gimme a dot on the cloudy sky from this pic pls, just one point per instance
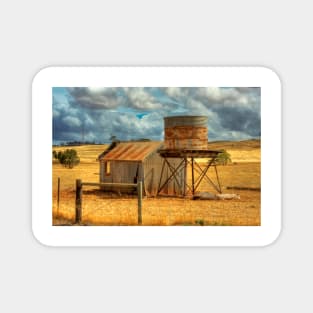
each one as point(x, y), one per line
point(95, 114)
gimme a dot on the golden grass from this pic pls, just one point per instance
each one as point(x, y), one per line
point(107, 209)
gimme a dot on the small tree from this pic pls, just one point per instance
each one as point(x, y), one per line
point(59, 155)
point(223, 158)
point(113, 138)
point(55, 154)
point(68, 158)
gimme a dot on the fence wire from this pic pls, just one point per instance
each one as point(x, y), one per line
point(108, 209)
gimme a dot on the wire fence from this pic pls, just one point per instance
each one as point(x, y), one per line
point(114, 209)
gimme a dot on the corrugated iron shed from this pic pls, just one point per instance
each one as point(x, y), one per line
point(132, 151)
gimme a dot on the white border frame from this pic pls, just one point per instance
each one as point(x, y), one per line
point(262, 77)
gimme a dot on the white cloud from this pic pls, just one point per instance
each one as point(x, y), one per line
point(72, 121)
point(141, 99)
point(98, 98)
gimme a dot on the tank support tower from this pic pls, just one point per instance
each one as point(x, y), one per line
point(186, 141)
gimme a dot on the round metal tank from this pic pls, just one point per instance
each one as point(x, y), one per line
point(186, 133)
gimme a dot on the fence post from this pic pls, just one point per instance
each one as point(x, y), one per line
point(139, 191)
point(58, 195)
point(78, 203)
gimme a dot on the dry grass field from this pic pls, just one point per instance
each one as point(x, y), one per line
point(99, 208)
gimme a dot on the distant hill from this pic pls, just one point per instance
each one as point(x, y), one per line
point(250, 144)
point(240, 151)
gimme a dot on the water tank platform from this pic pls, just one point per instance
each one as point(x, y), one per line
point(166, 153)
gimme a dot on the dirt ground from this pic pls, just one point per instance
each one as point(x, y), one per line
point(242, 177)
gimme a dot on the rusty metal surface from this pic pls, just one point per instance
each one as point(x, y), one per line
point(196, 121)
point(186, 132)
point(132, 151)
point(186, 144)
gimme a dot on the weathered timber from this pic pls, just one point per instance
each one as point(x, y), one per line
point(244, 188)
point(58, 195)
point(188, 153)
point(78, 202)
point(109, 184)
point(139, 190)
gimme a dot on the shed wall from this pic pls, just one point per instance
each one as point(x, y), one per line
point(120, 172)
point(173, 187)
point(152, 168)
point(149, 171)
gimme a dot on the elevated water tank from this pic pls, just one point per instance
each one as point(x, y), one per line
point(186, 133)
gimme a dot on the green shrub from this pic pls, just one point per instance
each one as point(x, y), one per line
point(199, 222)
point(68, 158)
point(223, 158)
point(55, 154)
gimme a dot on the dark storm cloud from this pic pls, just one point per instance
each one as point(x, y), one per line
point(239, 119)
point(95, 98)
point(66, 121)
point(72, 122)
point(248, 89)
point(94, 114)
point(235, 111)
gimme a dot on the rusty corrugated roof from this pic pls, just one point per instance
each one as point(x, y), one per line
point(132, 151)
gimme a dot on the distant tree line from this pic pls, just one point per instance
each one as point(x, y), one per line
point(114, 138)
point(78, 143)
point(82, 143)
point(141, 139)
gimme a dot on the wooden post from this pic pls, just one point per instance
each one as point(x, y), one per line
point(78, 203)
point(139, 191)
point(58, 195)
point(218, 180)
point(192, 177)
point(185, 178)
point(161, 176)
